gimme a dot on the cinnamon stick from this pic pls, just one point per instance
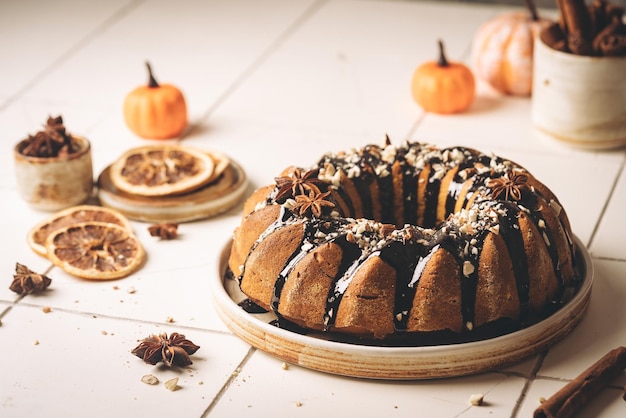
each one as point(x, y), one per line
point(577, 22)
point(573, 396)
point(553, 37)
point(613, 45)
point(597, 18)
point(610, 29)
point(560, 20)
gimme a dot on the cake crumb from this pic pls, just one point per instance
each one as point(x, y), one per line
point(476, 399)
point(172, 384)
point(284, 366)
point(169, 319)
point(150, 379)
point(36, 342)
point(131, 290)
point(298, 404)
point(46, 309)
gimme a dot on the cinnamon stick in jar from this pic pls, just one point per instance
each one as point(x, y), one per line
point(578, 25)
point(609, 30)
point(613, 46)
point(573, 396)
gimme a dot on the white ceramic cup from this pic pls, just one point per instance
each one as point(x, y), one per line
point(580, 100)
point(55, 183)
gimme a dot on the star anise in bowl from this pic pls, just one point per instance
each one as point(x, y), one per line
point(172, 350)
point(52, 141)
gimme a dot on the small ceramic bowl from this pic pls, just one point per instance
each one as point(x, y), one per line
point(54, 183)
point(580, 100)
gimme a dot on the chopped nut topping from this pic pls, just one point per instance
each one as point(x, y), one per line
point(173, 350)
point(172, 384)
point(468, 268)
point(150, 379)
point(556, 207)
point(27, 281)
point(476, 399)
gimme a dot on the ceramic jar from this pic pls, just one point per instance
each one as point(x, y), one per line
point(580, 100)
point(54, 183)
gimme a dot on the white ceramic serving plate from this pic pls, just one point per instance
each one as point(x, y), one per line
point(376, 362)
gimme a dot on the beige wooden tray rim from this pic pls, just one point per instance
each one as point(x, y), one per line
point(223, 194)
point(396, 362)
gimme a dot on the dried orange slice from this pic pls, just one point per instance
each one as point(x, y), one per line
point(36, 237)
point(95, 250)
point(161, 170)
point(220, 163)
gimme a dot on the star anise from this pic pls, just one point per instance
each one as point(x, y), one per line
point(298, 183)
point(27, 281)
point(53, 141)
point(510, 184)
point(173, 350)
point(164, 230)
point(311, 204)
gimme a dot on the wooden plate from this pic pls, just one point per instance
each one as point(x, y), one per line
point(215, 198)
point(348, 359)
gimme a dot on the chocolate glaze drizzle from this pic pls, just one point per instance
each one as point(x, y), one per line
point(408, 249)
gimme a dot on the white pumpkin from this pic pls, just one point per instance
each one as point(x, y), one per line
point(502, 52)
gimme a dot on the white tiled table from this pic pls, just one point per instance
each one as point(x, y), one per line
point(270, 83)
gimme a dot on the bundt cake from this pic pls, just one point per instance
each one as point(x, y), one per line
point(405, 243)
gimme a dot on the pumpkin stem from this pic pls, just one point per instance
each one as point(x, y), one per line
point(152, 82)
point(443, 62)
point(532, 8)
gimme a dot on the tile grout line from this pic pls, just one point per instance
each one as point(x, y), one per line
point(228, 382)
point(70, 51)
point(256, 63)
point(119, 318)
point(529, 381)
point(596, 226)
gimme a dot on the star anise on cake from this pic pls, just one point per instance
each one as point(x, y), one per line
point(510, 185)
point(27, 281)
point(174, 349)
point(311, 204)
point(299, 183)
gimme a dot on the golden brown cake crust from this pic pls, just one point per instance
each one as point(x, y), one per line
point(457, 240)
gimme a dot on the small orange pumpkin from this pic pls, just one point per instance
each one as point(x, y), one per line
point(502, 50)
point(155, 111)
point(443, 87)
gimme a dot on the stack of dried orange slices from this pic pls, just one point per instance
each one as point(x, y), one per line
point(171, 183)
point(88, 241)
